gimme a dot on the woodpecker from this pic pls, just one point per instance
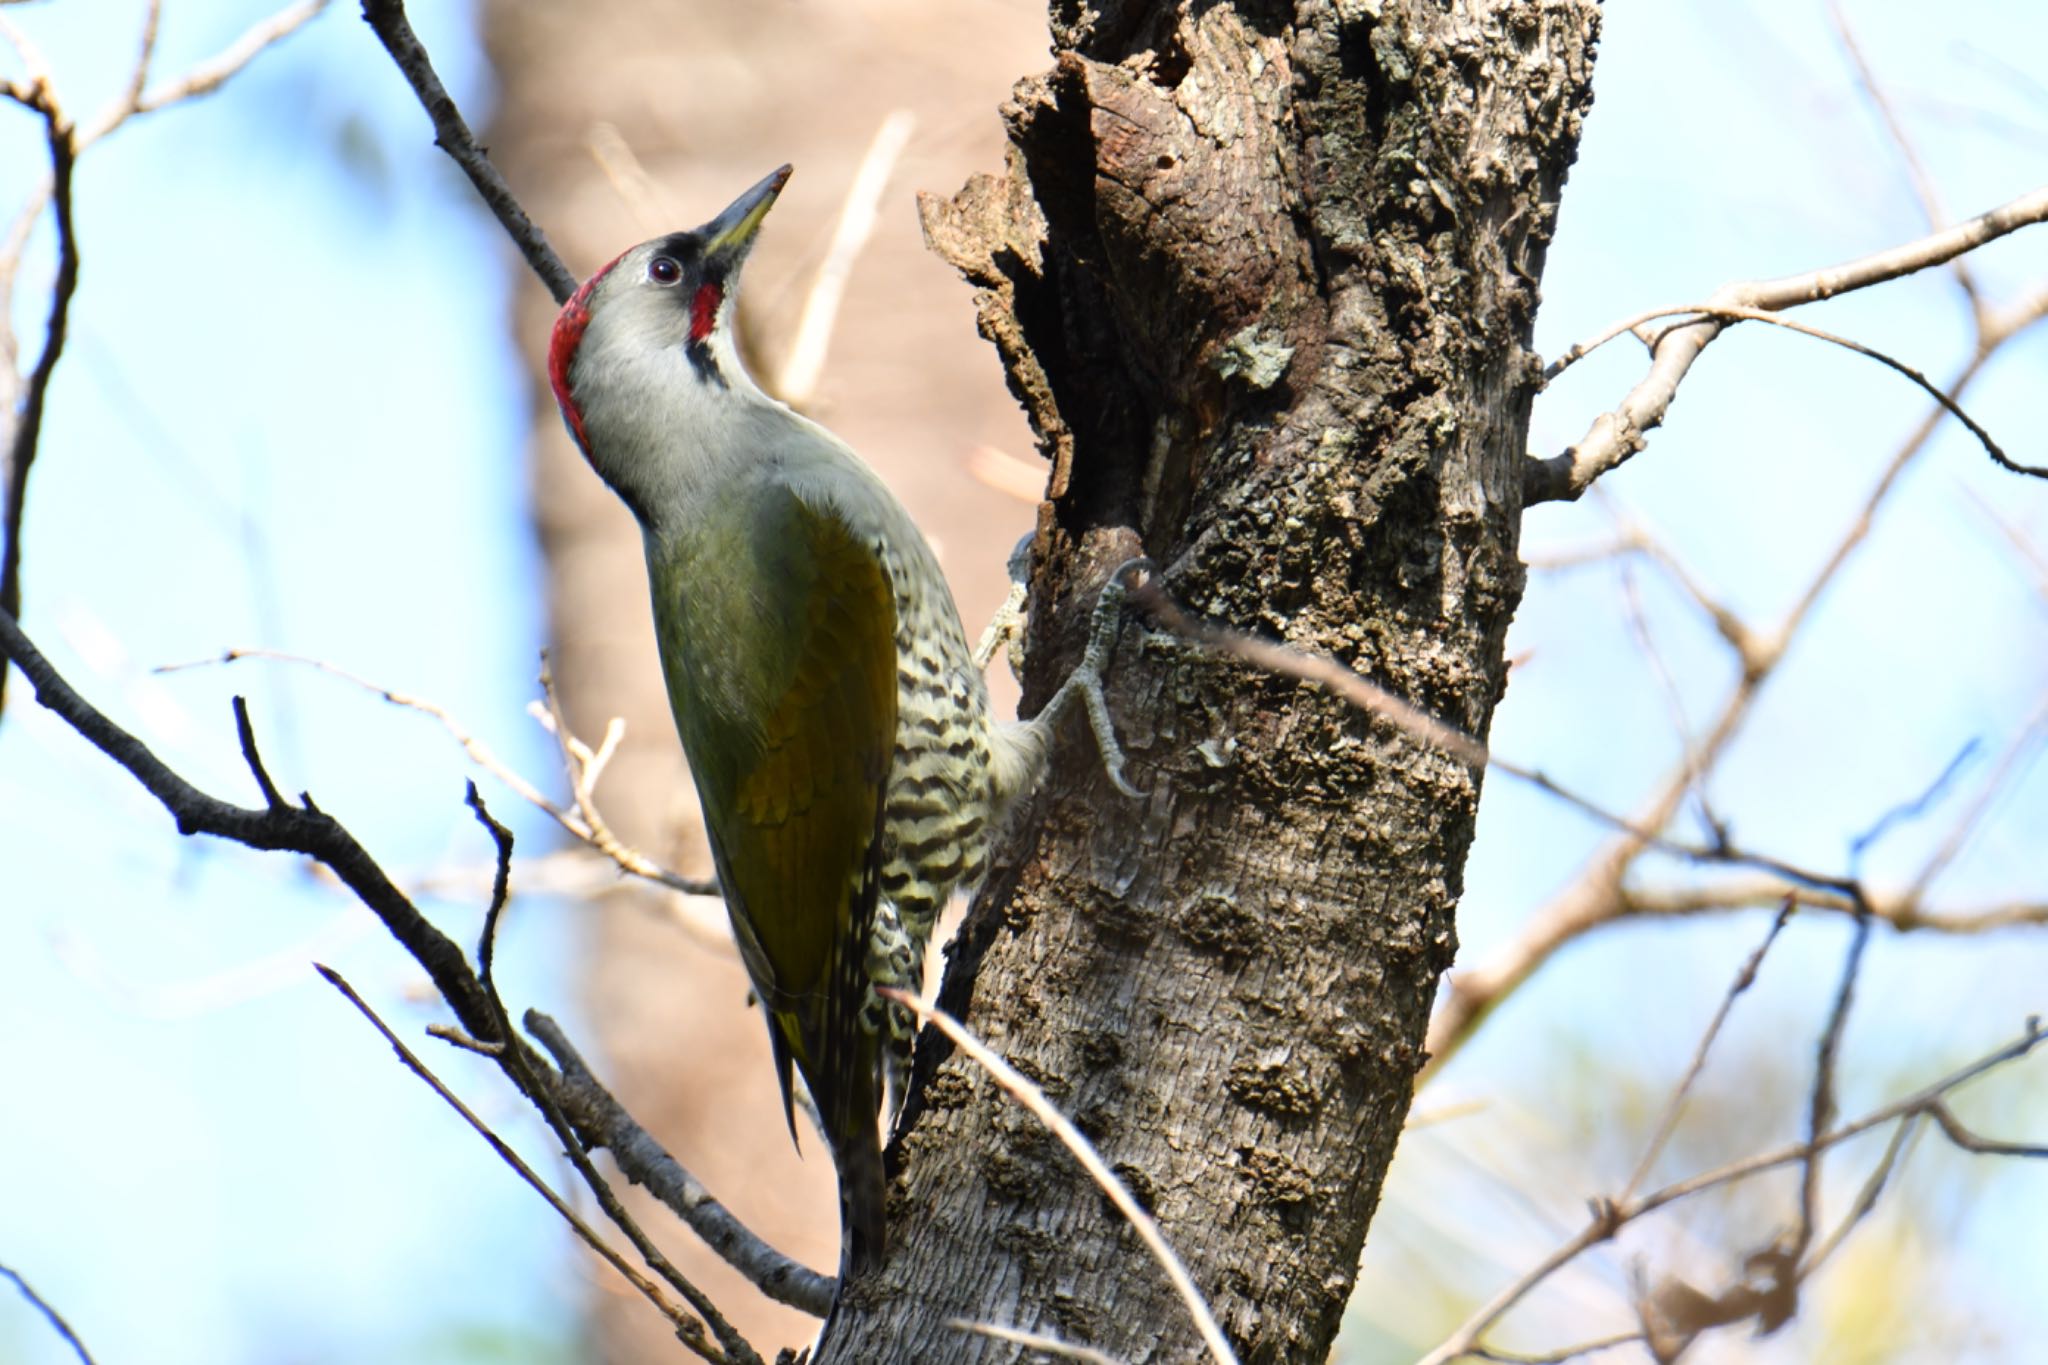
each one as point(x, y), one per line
point(835, 723)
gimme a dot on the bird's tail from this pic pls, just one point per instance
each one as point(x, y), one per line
point(863, 1196)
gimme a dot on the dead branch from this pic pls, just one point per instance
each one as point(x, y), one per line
point(688, 1329)
point(1610, 1216)
point(1599, 895)
point(24, 402)
point(1620, 433)
point(50, 1314)
point(734, 1348)
point(1021, 1089)
point(60, 137)
point(387, 19)
point(305, 829)
point(583, 765)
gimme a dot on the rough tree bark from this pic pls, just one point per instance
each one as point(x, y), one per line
point(1263, 276)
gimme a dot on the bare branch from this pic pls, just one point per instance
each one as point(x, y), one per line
point(1034, 1341)
point(1924, 190)
point(27, 428)
point(538, 1086)
point(1962, 1137)
point(1597, 896)
point(246, 734)
point(584, 767)
point(307, 830)
point(2028, 737)
point(1897, 909)
point(50, 1315)
point(1866, 1198)
point(1744, 979)
point(1557, 1357)
point(1716, 314)
point(211, 74)
point(138, 75)
point(645, 1163)
point(798, 380)
point(1616, 435)
point(687, 1328)
point(388, 21)
point(1820, 1112)
point(1020, 1088)
point(1610, 1216)
point(25, 402)
point(302, 829)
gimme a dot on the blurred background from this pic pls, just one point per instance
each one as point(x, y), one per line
point(298, 411)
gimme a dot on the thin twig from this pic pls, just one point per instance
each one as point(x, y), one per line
point(1618, 434)
point(1903, 812)
point(798, 379)
point(50, 1314)
point(26, 402)
point(245, 733)
point(1609, 1216)
point(1901, 911)
point(581, 763)
point(2025, 739)
point(301, 828)
point(211, 74)
point(735, 1347)
point(1953, 1128)
point(1557, 1357)
point(647, 1164)
point(1924, 190)
point(1598, 895)
point(584, 767)
point(387, 19)
point(1668, 1124)
point(1020, 1088)
point(1033, 1341)
point(27, 427)
point(1717, 312)
point(1866, 1198)
point(1289, 661)
point(650, 1290)
point(307, 830)
point(1820, 1114)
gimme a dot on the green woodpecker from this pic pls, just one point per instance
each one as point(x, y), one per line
point(835, 723)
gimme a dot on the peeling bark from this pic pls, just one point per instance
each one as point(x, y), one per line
point(1263, 278)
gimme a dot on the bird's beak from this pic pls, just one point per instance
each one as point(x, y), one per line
point(728, 237)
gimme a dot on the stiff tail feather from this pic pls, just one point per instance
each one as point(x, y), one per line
point(862, 1202)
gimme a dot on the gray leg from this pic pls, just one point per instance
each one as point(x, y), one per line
point(1008, 625)
point(1084, 684)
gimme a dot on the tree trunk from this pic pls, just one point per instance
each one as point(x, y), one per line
point(1264, 282)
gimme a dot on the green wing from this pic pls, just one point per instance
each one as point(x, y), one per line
point(779, 646)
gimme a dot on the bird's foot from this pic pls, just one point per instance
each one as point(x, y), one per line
point(1007, 627)
point(1085, 682)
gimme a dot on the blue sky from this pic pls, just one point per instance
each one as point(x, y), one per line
point(292, 416)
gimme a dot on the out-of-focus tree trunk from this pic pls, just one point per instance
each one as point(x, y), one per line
point(709, 96)
point(1264, 276)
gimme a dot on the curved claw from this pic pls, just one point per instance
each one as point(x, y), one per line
point(1087, 676)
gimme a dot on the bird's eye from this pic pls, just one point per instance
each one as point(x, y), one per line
point(663, 270)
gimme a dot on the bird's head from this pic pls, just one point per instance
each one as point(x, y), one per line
point(653, 330)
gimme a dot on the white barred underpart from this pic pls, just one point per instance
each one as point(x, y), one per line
point(939, 803)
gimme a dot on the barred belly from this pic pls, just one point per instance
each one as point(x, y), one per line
point(937, 809)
